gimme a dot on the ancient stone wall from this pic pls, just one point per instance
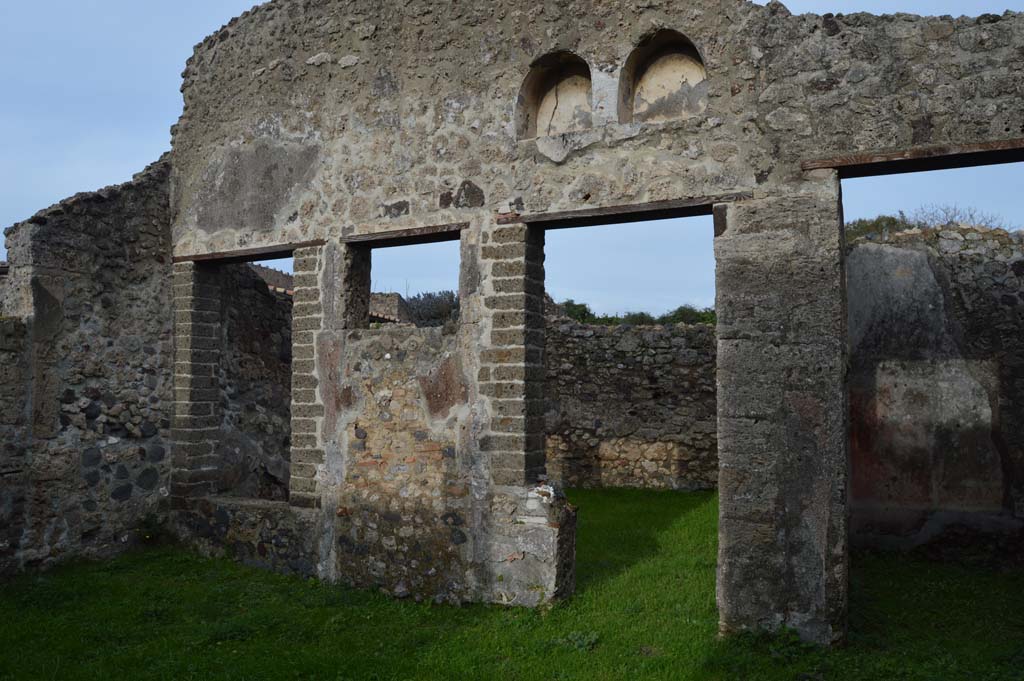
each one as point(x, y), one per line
point(364, 116)
point(405, 499)
point(389, 307)
point(631, 406)
point(255, 376)
point(15, 420)
point(337, 121)
point(329, 125)
point(5, 270)
point(936, 383)
point(91, 346)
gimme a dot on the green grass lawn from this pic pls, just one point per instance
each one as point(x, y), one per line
point(644, 609)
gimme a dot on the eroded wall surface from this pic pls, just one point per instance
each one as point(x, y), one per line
point(15, 421)
point(86, 416)
point(936, 402)
point(313, 119)
point(327, 120)
point(255, 376)
point(404, 499)
point(631, 406)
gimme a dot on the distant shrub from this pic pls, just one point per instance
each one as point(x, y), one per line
point(581, 312)
point(926, 217)
point(437, 309)
point(434, 309)
point(688, 314)
point(684, 314)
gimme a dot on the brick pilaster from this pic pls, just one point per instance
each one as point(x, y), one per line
point(197, 413)
point(332, 293)
point(512, 363)
point(307, 411)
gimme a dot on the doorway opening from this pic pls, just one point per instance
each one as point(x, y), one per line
point(254, 379)
point(630, 354)
point(935, 289)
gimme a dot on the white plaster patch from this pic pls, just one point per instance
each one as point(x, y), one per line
point(319, 59)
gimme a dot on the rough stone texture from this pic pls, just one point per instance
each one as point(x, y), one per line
point(782, 413)
point(936, 381)
point(390, 308)
point(258, 532)
point(395, 457)
point(281, 144)
point(428, 107)
point(15, 421)
point(233, 376)
point(322, 120)
point(390, 484)
point(86, 387)
point(276, 280)
point(631, 406)
point(5, 270)
point(403, 501)
point(255, 384)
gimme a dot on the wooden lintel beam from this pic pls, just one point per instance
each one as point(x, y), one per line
point(605, 215)
point(405, 237)
point(250, 254)
point(939, 157)
point(398, 237)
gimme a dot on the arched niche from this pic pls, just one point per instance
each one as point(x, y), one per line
point(663, 79)
point(555, 97)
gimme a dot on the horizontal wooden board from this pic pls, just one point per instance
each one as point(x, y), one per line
point(636, 212)
point(939, 157)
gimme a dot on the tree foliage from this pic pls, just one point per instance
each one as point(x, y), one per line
point(434, 309)
point(932, 216)
point(684, 314)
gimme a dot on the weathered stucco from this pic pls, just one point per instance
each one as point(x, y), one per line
point(405, 103)
point(320, 126)
point(935, 390)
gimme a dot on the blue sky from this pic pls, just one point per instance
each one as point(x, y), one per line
point(91, 91)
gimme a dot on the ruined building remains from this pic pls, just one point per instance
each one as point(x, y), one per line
point(142, 366)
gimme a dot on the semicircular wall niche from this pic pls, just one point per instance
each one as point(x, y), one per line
point(555, 97)
point(663, 79)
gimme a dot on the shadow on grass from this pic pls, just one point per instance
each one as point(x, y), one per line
point(167, 614)
point(644, 610)
point(618, 528)
point(909, 619)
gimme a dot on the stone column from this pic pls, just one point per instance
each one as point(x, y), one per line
point(782, 412)
point(197, 412)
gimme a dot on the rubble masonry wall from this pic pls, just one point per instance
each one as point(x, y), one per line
point(936, 383)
